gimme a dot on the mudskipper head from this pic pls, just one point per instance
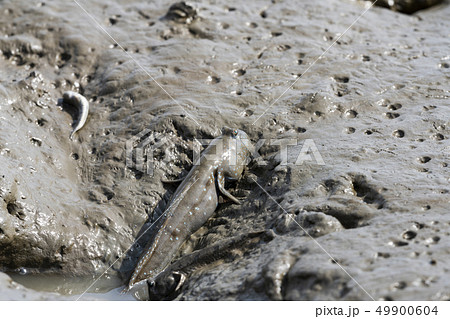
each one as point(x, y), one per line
point(241, 140)
point(238, 149)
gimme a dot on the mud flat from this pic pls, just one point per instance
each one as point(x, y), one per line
point(375, 106)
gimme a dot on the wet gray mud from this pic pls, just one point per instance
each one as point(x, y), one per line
point(375, 105)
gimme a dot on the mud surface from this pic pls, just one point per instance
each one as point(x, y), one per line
point(375, 105)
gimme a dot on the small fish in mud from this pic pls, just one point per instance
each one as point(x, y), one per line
point(195, 200)
point(81, 103)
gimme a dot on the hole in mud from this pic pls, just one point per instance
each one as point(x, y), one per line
point(283, 47)
point(351, 114)
point(138, 175)
point(437, 137)
point(213, 79)
point(399, 243)
point(408, 235)
point(394, 107)
point(391, 115)
point(36, 141)
point(398, 133)
point(366, 192)
point(109, 194)
point(424, 159)
point(176, 70)
point(247, 113)
point(15, 210)
point(383, 255)
point(435, 239)
point(239, 72)
point(348, 219)
point(429, 107)
point(41, 122)
point(113, 21)
point(399, 285)
point(341, 79)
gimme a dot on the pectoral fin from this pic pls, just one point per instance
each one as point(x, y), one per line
point(221, 184)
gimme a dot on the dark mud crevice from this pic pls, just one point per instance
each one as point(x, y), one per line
point(14, 208)
point(349, 219)
point(368, 194)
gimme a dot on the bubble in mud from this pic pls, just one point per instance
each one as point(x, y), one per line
point(437, 137)
point(22, 271)
point(351, 114)
point(399, 285)
point(424, 159)
point(409, 234)
point(398, 133)
point(395, 106)
point(383, 102)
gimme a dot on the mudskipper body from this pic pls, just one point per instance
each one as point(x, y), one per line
point(195, 200)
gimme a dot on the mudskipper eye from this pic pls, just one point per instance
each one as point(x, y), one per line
point(235, 132)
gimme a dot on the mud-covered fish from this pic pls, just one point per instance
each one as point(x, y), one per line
point(195, 200)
